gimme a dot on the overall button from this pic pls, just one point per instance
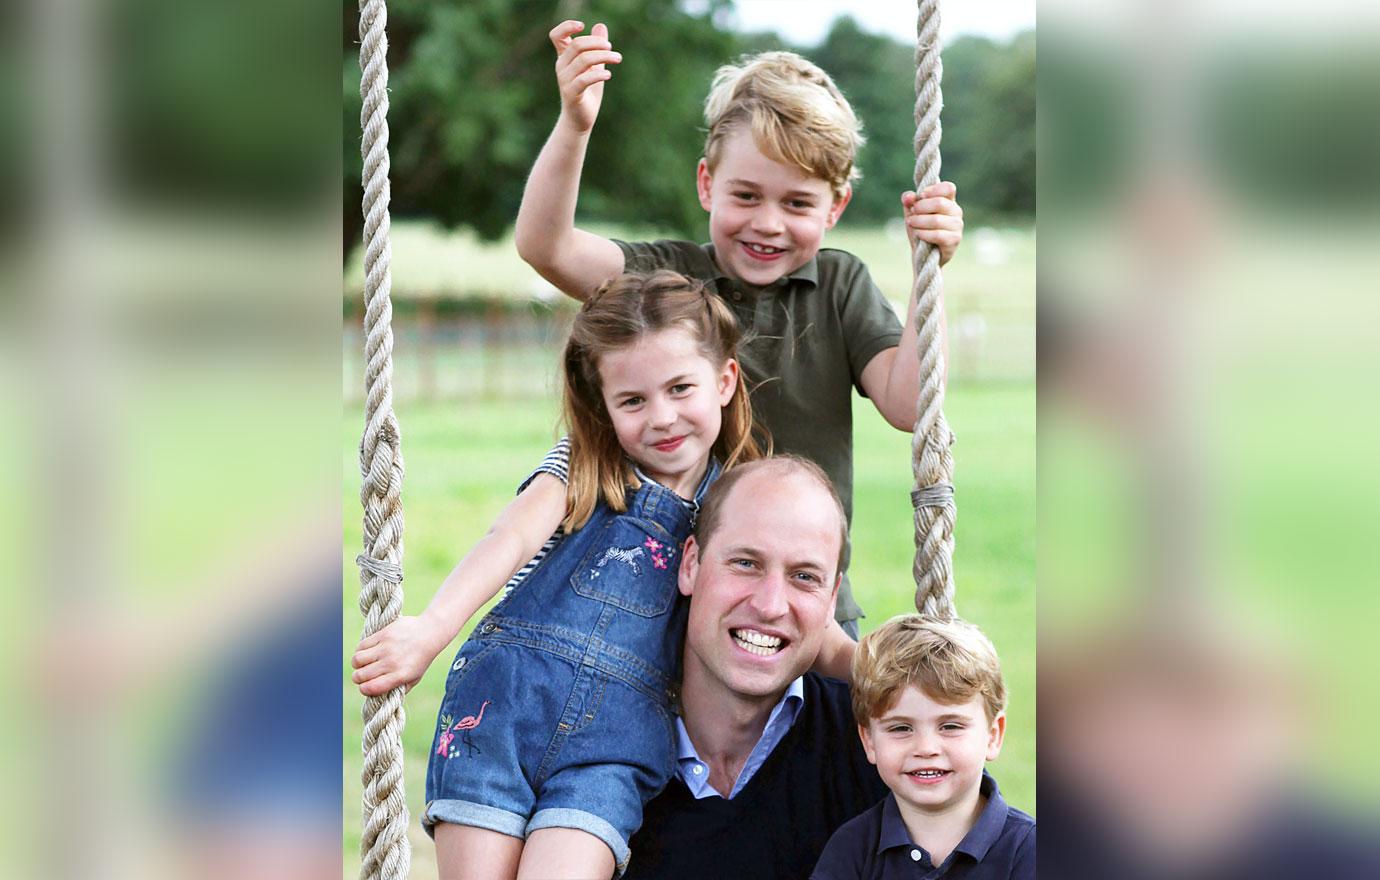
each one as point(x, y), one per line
point(459, 664)
point(487, 628)
point(915, 855)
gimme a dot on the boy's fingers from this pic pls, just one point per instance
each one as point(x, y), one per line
point(586, 44)
point(600, 30)
point(585, 60)
point(936, 205)
point(943, 189)
point(560, 34)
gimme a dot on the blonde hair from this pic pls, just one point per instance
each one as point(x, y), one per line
point(951, 661)
point(795, 113)
point(618, 315)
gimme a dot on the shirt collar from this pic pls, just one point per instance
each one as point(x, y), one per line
point(808, 273)
point(781, 719)
point(975, 843)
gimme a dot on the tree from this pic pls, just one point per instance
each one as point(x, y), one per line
point(473, 96)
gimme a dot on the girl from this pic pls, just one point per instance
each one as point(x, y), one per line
point(556, 726)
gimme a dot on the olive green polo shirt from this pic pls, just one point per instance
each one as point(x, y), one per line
point(806, 340)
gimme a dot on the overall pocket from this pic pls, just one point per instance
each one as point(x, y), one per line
point(632, 566)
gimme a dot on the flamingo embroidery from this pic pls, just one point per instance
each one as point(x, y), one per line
point(448, 730)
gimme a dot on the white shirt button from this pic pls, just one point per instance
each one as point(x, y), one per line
point(698, 770)
point(915, 855)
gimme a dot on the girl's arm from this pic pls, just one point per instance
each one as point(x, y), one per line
point(400, 653)
point(836, 654)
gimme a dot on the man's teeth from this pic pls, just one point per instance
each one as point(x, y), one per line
point(757, 643)
point(764, 249)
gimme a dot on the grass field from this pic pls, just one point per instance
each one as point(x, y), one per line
point(464, 459)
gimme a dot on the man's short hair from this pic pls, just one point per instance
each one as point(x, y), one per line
point(794, 112)
point(711, 508)
point(950, 661)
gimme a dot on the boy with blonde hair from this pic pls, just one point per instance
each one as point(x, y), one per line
point(930, 704)
point(777, 173)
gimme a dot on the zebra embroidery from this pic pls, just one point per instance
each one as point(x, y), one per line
point(628, 556)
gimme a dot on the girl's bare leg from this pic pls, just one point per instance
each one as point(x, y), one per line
point(464, 852)
point(565, 854)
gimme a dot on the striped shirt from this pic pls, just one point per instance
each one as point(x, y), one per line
point(557, 464)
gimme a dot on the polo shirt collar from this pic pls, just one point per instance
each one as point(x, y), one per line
point(975, 843)
point(808, 273)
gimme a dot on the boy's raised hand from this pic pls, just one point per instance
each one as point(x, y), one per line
point(581, 70)
point(934, 216)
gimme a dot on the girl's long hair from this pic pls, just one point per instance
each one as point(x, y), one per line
point(618, 315)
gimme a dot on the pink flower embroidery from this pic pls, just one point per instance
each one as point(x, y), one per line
point(658, 560)
point(652, 544)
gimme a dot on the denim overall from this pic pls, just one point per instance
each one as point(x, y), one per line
point(557, 709)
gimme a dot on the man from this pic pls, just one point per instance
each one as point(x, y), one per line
point(769, 760)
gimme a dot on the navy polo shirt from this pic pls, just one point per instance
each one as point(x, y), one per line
point(877, 846)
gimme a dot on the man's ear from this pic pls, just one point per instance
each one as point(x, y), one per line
point(995, 736)
point(689, 566)
point(704, 182)
point(836, 209)
point(865, 734)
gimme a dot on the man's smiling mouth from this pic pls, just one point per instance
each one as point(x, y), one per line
point(754, 642)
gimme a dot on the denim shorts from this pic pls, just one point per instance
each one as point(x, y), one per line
point(599, 751)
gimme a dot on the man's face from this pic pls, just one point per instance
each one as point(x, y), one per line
point(763, 587)
point(766, 219)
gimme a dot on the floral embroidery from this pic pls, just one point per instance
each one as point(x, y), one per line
point(659, 561)
point(652, 544)
point(449, 728)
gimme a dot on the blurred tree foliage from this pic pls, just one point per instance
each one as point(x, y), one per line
point(473, 97)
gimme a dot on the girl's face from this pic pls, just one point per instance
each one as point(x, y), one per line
point(666, 400)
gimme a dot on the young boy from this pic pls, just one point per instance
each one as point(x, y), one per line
point(776, 173)
point(929, 701)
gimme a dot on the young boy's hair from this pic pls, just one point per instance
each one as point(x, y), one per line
point(950, 661)
point(618, 315)
point(795, 113)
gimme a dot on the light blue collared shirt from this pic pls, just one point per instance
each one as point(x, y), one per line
point(695, 772)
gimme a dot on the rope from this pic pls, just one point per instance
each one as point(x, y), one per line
point(930, 447)
point(384, 849)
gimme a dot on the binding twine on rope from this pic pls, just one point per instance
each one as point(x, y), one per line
point(385, 853)
point(932, 459)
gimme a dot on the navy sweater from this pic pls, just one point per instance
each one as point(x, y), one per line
point(815, 779)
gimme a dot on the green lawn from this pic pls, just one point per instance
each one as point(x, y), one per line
point(464, 459)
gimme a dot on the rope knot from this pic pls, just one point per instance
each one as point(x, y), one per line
point(938, 495)
point(389, 571)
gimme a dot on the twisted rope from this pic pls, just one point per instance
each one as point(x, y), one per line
point(384, 849)
point(932, 491)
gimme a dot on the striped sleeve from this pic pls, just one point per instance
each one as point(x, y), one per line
point(557, 464)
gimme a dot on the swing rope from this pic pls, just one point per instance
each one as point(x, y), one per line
point(384, 849)
point(932, 493)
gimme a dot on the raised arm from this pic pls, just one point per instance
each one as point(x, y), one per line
point(575, 261)
point(400, 653)
point(892, 378)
